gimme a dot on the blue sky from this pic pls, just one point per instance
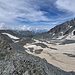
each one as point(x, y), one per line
point(33, 14)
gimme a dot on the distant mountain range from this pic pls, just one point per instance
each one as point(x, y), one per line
point(44, 33)
point(25, 33)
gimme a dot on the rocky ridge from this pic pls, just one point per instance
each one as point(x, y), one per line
point(58, 30)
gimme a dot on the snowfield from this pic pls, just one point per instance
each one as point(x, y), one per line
point(11, 36)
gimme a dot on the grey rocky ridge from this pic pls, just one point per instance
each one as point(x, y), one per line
point(59, 30)
point(14, 60)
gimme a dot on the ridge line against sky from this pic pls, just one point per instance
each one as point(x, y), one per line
point(42, 14)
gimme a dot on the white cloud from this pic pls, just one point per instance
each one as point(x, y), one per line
point(3, 26)
point(66, 5)
point(51, 23)
point(20, 10)
point(6, 27)
point(24, 27)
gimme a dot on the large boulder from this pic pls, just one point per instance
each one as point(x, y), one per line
point(38, 51)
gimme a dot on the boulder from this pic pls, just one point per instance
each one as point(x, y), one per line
point(38, 51)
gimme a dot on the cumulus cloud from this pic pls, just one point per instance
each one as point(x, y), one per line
point(3, 26)
point(24, 27)
point(66, 5)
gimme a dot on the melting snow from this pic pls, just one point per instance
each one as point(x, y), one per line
point(30, 46)
point(11, 36)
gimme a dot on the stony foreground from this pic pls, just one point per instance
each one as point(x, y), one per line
point(21, 63)
point(15, 61)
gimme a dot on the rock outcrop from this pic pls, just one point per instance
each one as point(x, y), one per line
point(63, 27)
point(3, 42)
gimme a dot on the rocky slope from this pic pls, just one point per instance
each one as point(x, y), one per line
point(63, 27)
point(3, 42)
point(58, 30)
point(15, 61)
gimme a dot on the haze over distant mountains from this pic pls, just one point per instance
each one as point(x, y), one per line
point(22, 28)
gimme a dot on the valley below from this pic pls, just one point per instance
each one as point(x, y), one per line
point(62, 56)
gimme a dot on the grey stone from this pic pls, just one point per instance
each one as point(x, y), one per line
point(38, 51)
point(26, 73)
